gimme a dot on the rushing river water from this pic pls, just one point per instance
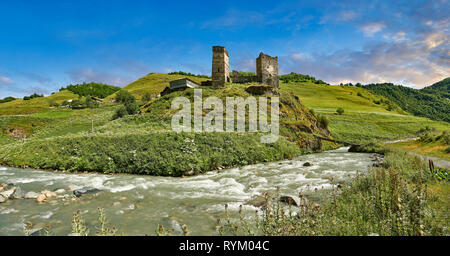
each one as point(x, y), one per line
point(137, 204)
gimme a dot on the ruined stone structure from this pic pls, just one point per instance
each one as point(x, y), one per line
point(220, 66)
point(236, 77)
point(267, 70)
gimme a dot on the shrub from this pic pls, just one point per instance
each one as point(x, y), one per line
point(120, 112)
point(323, 121)
point(7, 99)
point(132, 108)
point(147, 97)
point(124, 96)
point(340, 111)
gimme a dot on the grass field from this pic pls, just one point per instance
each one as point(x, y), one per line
point(36, 105)
point(152, 83)
point(363, 119)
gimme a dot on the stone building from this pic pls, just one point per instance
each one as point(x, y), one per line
point(267, 70)
point(220, 66)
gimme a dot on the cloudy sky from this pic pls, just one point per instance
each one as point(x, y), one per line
point(45, 45)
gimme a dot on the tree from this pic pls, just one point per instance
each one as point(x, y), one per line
point(124, 96)
point(131, 107)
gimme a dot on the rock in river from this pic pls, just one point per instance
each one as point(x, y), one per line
point(18, 194)
point(2, 199)
point(290, 200)
point(85, 190)
point(31, 195)
point(307, 164)
point(8, 193)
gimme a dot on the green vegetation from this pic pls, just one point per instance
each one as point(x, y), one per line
point(130, 106)
point(7, 99)
point(401, 198)
point(426, 103)
point(366, 118)
point(98, 90)
point(166, 154)
point(440, 88)
point(80, 103)
point(188, 74)
point(35, 105)
point(153, 83)
point(430, 143)
point(299, 78)
point(32, 96)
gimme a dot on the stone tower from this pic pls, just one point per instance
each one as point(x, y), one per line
point(267, 69)
point(220, 66)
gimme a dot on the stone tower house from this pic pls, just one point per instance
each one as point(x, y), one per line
point(220, 66)
point(267, 69)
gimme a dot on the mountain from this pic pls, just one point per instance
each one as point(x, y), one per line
point(430, 102)
point(441, 88)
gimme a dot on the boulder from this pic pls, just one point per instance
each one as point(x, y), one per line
point(60, 191)
point(18, 194)
point(8, 193)
point(290, 200)
point(2, 199)
point(85, 190)
point(48, 194)
point(307, 164)
point(41, 198)
point(31, 195)
point(3, 187)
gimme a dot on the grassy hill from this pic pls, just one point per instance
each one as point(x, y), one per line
point(98, 90)
point(367, 116)
point(67, 139)
point(427, 103)
point(441, 88)
point(153, 83)
point(35, 105)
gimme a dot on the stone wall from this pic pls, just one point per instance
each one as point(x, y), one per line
point(220, 66)
point(236, 77)
point(267, 70)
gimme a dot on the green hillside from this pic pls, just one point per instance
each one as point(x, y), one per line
point(98, 90)
point(35, 105)
point(441, 88)
point(427, 103)
point(367, 116)
point(153, 83)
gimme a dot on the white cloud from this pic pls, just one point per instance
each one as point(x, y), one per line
point(371, 29)
point(6, 80)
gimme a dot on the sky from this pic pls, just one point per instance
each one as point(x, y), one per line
point(46, 45)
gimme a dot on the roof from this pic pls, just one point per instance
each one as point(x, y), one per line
point(184, 78)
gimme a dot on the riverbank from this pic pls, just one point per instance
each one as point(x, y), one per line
point(137, 204)
point(402, 197)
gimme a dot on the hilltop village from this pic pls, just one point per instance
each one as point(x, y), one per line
point(266, 72)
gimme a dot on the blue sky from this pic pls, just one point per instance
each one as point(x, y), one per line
point(45, 45)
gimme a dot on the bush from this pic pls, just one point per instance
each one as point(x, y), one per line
point(147, 97)
point(132, 108)
point(34, 95)
point(7, 99)
point(323, 121)
point(340, 111)
point(120, 112)
point(124, 96)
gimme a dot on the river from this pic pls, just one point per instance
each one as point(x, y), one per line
point(137, 204)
